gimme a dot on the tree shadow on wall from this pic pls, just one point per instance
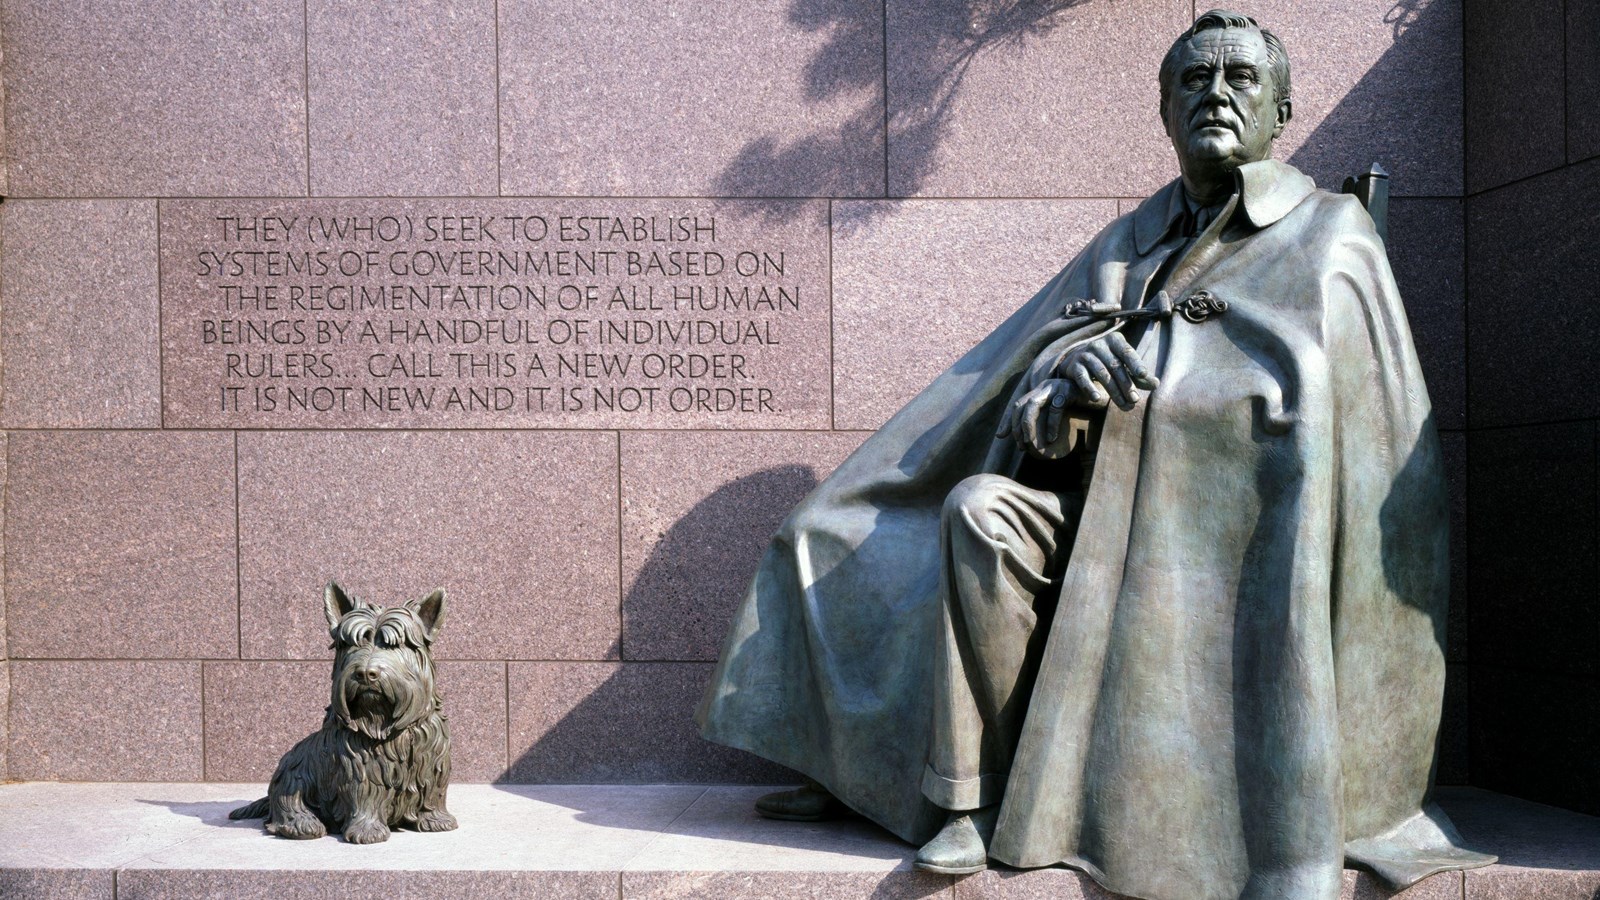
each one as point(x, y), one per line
point(636, 726)
point(935, 44)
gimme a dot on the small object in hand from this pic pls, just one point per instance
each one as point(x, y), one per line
point(382, 757)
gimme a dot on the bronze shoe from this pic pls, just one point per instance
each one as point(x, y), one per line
point(962, 846)
point(809, 803)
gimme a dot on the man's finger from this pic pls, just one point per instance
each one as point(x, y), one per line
point(1028, 416)
point(1136, 366)
point(1089, 393)
point(1053, 414)
point(1102, 373)
point(1119, 372)
point(1006, 418)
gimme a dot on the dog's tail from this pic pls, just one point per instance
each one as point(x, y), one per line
point(256, 810)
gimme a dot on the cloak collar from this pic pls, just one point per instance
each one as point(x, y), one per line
point(1270, 190)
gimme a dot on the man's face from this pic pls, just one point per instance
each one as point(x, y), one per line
point(1220, 109)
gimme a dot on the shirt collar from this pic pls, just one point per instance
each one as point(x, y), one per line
point(1270, 190)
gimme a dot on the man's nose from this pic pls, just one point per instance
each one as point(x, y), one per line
point(1217, 90)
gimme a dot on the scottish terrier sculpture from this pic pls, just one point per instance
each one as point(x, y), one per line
point(382, 758)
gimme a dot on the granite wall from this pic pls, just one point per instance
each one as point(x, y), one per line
point(1533, 208)
point(195, 448)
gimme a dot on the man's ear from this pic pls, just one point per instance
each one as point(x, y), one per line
point(1285, 113)
point(335, 603)
point(430, 611)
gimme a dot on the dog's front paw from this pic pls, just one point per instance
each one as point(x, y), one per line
point(436, 820)
point(304, 826)
point(366, 831)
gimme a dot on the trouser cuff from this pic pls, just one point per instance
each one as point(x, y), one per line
point(962, 794)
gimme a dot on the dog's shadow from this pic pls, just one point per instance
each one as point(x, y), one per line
point(211, 812)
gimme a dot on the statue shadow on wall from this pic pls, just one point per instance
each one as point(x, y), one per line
point(1387, 104)
point(637, 726)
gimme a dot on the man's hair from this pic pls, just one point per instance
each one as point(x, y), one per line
point(1277, 57)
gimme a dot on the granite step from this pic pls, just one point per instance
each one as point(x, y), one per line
point(133, 841)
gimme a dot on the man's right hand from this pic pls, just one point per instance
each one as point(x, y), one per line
point(1103, 370)
point(1107, 365)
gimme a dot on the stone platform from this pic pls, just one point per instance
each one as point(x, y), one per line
point(128, 841)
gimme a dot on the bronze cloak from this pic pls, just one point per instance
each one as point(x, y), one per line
point(1242, 682)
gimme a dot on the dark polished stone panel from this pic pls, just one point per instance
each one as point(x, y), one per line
point(1454, 444)
point(1583, 79)
point(1534, 735)
point(1514, 90)
point(1426, 249)
point(1533, 548)
point(1533, 263)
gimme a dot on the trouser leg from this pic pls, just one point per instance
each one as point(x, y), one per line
point(1003, 545)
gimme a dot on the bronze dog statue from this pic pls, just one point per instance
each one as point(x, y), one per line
point(382, 757)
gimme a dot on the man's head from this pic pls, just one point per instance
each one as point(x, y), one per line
point(1224, 96)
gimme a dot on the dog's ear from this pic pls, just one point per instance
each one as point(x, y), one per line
point(336, 603)
point(430, 611)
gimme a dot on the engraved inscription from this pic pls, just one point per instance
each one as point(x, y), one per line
point(492, 313)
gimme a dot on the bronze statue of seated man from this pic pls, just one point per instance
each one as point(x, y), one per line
point(1152, 581)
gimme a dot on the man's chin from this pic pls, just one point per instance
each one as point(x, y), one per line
point(1214, 148)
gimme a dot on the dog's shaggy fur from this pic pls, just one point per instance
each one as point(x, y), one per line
point(382, 758)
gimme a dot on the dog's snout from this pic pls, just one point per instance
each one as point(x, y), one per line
point(368, 674)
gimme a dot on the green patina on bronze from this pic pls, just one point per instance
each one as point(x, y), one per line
point(1183, 621)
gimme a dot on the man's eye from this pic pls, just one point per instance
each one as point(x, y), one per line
point(1242, 79)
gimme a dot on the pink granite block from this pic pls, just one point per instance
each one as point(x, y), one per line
point(1374, 81)
point(520, 528)
point(814, 885)
point(5, 718)
point(402, 97)
point(58, 884)
point(698, 509)
point(682, 99)
point(5, 651)
point(5, 168)
point(127, 98)
point(105, 721)
point(631, 723)
point(476, 703)
point(1029, 99)
point(256, 711)
point(1031, 884)
point(5, 664)
point(918, 283)
point(293, 884)
point(79, 338)
point(487, 313)
point(121, 544)
point(1512, 883)
point(1070, 884)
